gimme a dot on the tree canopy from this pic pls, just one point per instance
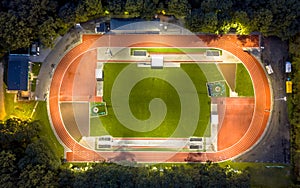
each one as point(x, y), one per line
point(294, 108)
point(271, 18)
point(25, 159)
point(34, 164)
point(24, 21)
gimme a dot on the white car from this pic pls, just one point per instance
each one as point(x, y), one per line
point(269, 69)
point(35, 49)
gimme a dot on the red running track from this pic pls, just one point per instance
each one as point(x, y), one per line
point(230, 43)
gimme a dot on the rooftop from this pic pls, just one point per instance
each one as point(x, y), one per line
point(17, 74)
point(134, 25)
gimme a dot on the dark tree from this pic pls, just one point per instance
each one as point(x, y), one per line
point(149, 10)
point(133, 7)
point(87, 9)
point(179, 8)
point(16, 133)
point(116, 7)
point(66, 178)
point(194, 21)
point(37, 176)
point(38, 153)
point(67, 13)
point(262, 20)
point(216, 6)
point(8, 169)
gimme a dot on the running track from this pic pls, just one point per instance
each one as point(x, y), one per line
point(231, 43)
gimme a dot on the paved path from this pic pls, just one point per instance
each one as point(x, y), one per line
point(228, 42)
point(2, 97)
point(51, 61)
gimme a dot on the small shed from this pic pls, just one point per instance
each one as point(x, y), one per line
point(99, 74)
point(214, 119)
point(157, 61)
point(101, 28)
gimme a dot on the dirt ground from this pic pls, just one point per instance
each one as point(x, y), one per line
point(228, 70)
point(274, 146)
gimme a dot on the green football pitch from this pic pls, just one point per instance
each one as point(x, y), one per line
point(155, 84)
point(168, 102)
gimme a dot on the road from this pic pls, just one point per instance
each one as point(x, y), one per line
point(50, 62)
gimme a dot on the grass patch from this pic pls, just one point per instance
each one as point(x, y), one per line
point(155, 88)
point(96, 127)
point(24, 109)
point(227, 90)
point(290, 107)
point(211, 72)
point(260, 175)
point(36, 66)
point(144, 91)
point(197, 76)
point(14, 108)
point(33, 84)
point(243, 82)
point(264, 174)
point(46, 132)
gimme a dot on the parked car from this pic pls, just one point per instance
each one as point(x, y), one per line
point(269, 69)
point(35, 49)
point(289, 85)
point(288, 67)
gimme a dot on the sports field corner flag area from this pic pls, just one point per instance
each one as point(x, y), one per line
point(149, 102)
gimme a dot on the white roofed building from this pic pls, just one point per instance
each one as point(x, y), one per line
point(157, 61)
point(99, 74)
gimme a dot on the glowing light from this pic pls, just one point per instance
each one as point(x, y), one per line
point(239, 28)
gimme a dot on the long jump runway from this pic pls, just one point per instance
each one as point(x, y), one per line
point(62, 90)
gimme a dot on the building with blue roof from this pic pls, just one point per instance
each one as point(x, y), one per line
point(17, 72)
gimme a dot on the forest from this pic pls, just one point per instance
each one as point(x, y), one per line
point(24, 21)
point(26, 160)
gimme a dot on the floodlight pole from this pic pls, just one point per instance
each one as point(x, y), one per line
point(281, 99)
